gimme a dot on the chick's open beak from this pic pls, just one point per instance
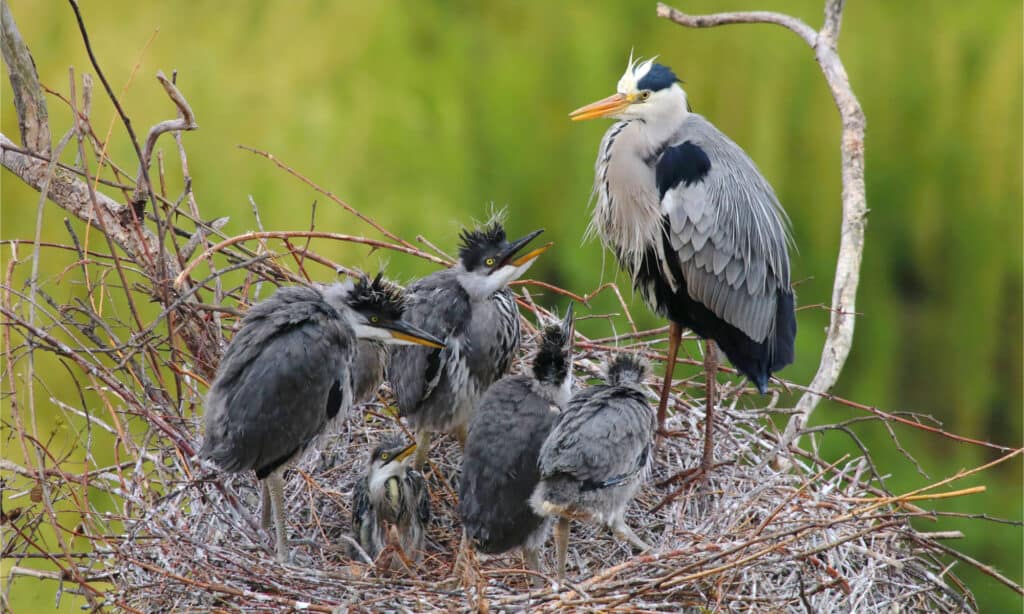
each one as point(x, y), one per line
point(508, 256)
point(602, 108)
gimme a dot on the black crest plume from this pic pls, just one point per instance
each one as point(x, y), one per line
point(552, 361)
point(626, 369)
point(377, 295)
point(477, 241)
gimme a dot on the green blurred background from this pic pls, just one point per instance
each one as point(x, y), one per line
point(426, 114)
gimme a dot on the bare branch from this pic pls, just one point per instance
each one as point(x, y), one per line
point(185, 121)
point(33, 120)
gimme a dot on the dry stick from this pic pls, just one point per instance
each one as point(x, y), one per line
point(895, 418)
point(291, 171)
point(839, 338)
point(143, 171)
point(136, 222)
point(286, 234)
point(222, 588)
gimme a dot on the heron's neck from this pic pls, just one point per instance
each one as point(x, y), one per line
point(554, 390)
point(483, 287)
point(627, 212)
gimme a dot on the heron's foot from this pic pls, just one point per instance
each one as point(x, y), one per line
point(625, 533)
point(686, 476)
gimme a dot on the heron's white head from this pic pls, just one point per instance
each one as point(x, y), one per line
point(647, 91)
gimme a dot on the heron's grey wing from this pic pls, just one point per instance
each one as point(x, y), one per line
point(438, 305)
point(726, 226)
point(422, 497)
point(499, 466)
point(364, 520)
point(604, 433)
point(367, 371)
point(271, 394)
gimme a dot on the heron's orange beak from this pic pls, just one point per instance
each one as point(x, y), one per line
point(602, 108)
point(531, 255)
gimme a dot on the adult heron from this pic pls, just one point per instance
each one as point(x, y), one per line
point(597, 455)
point(285, 374)
point(499, 466)
point(472, 309)
point(391, 494)
point(696, 226)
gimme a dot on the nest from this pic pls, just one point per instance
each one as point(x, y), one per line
point(816, 537)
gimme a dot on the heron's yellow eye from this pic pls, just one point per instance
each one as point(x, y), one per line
point(489, 262)
point(374, 319)
point(384, 456)
point(644, 95)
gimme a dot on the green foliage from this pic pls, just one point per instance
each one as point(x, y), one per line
point(424, 115)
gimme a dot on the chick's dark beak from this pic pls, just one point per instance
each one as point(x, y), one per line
point(404, 331)
point(508, 255)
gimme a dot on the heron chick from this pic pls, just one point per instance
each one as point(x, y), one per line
point(499, 465)
point(597, 455)
point(696, 226)
point(391, 494)
point(472, 309)
point(286, 373)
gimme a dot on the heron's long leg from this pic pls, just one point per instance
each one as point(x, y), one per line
point(622, 530)
point(265, 517)
point(674, 333)
point(710, 392)
point(422, 449)
point(531, 556)
point(461, 432)
point(561, 544)
point(275, 486)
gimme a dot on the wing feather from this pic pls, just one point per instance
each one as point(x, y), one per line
point(726, 226)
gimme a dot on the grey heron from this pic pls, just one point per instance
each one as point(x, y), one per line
point(697, 227)
point(597, 455)
point(499, 464)
point(391, 494)
point(285, 374)
point(472, 309)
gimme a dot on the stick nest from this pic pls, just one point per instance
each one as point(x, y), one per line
point(815, 538)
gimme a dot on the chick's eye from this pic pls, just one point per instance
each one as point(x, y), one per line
point(489, 262)
point(644, 95)
point(374, 319)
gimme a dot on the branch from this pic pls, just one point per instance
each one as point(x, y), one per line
point(187, 121)
point(33, 119)
point(72, 195)
point(839, 338)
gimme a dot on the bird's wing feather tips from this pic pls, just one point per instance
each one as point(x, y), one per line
point(599, 435)
point(269, 398)
point(499, 470)
point(438, 305)
point(730, 236)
